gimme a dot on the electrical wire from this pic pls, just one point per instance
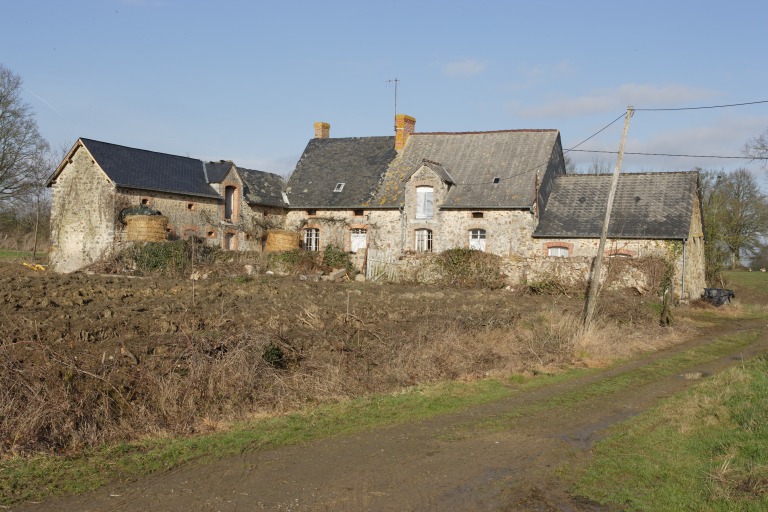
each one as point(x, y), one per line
point(700, 108)
point(668, 154)
point(514, 175)
point(566, 151)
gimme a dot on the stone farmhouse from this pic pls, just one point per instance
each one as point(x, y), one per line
point(503, 192)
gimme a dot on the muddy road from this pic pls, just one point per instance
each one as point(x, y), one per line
point(513, 454)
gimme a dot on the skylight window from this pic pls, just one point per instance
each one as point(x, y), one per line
point(339, 187)
point(496, 180)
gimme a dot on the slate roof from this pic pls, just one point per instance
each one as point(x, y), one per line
point(215, 172)
point(358, 162)
point(646, 206)
point(262, 188)
point(473, 160)
point(148, 170)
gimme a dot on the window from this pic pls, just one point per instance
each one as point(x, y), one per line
point(358, 213)
point(425, 198)
point(311, 212)
point(477, 215)
point(229, 198)
point(424, 240)
point(558, 252)
point(477, 239)
point(339, 187)
point(496, 180)
point(358, 239)
point(312, 239)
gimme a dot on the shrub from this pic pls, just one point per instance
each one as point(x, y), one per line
point(336, 258)
point(294, 261)
point(470, 268)
point(173, 258)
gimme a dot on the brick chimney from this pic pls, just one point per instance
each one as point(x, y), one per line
point(322, 130)
point(404, 126)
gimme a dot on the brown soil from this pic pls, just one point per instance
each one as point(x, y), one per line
point(445, 463)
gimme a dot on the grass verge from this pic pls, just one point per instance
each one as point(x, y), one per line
point(702, 450)
point(41, 476)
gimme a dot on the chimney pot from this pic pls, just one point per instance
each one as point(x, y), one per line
point(322, 130)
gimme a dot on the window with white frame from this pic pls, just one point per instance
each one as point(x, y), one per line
point(477, 239)
point(558, 251)
point(358, 239)
point(312, 239)
point(424, 240)
point(425, 198)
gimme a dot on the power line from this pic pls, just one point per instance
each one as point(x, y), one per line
point(547, 162)
point(702, 108)
point(669, 154)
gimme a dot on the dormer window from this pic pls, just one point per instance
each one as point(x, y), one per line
point(339, 187)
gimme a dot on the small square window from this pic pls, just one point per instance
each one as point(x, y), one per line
point(477, 215)
point(358, 213)
point(339, 187)
point(311, 212)
point(496, 180)
point(190, 206)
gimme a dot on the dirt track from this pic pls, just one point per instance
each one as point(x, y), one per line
point(446, 463)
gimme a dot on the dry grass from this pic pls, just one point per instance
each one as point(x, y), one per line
point(201, 375)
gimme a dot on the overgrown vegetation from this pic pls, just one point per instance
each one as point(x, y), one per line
point(470, 268)
point(172, 258)
point(334, 257)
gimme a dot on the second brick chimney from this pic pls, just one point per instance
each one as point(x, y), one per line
point(322, 130)
point(404, 126)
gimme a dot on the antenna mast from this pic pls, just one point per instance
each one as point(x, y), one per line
point(395, 81)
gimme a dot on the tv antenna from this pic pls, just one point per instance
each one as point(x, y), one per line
point(395, 81)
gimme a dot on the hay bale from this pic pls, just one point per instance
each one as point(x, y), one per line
point(279, 240)
point(146, 228)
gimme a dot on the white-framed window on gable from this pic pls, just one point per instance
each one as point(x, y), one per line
point(312, 239)
point(423, 240)
point(358, 239)
point(477, 239)
point(425, 200)
point(557, 251)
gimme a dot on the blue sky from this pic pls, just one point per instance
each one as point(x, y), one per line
point(245, 80)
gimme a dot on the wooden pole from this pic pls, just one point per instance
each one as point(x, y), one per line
point(594, 279)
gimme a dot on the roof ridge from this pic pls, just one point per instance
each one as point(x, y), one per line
point(524, 130)
point(85, 139)
point(625, 173)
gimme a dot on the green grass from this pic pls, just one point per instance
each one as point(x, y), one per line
point(42, 476)
point(8, 254)
point(703, 450)
point(603, 389)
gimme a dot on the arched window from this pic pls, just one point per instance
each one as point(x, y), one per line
point(425, 198)
point(424, 240)
point(312, 239)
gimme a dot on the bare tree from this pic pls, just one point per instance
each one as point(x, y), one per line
point(22, 149)
point(756, 148)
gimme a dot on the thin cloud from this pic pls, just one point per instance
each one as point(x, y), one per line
point(464, 68)
point(612, 100)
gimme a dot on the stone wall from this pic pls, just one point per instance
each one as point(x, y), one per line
point(82, 214)
point(382, 226)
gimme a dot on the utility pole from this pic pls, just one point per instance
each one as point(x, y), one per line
point(594, 280)
point(395, 81)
